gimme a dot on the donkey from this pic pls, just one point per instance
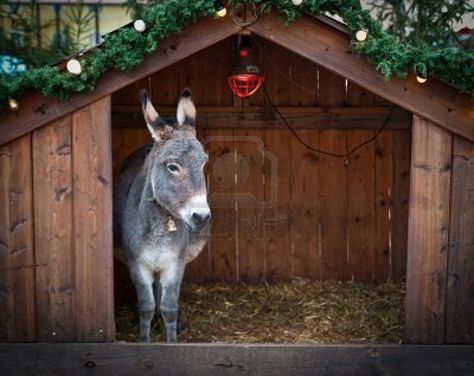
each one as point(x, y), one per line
point(161, 214)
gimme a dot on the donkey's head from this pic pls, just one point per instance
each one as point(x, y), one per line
point(176, 163)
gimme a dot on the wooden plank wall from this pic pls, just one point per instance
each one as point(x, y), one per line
point(281, 210)
point(440, 282)
point(56, 276)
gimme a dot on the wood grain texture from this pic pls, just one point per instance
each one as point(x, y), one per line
point(38, 110)
point(332, 89)
point(54, 251)
point(333, 207)
point(17, 297)
point(428, 233)
point(330, 49)
point(303, 81)
point(400, 196)
point(383, 184)
point(277, 212)
point(361, 209)
point(460, 288)
point(250, 200)
point(223, 359)
point(222, 192)
point(305, 206)
point(92, 221)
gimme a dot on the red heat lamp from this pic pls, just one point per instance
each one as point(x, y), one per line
point(245, 78)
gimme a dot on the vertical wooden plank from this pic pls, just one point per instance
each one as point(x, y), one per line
point(205, 73)
point(17, 298)
point(92, 221)
point(428, 233)
point(359, 97)
point(130, 95)
point(303, 85)
point(277, 199)
point(333, 206)
point(224, 266)
point(361, 208)
point(401, 151)
point(55, 288)
point(383, 183)
point(332, 89)
point(124, 142)
point(250, 197)
point(277, 70)
point(460, 288)
point(305, 211)
point(215, 64)
point(165, 87)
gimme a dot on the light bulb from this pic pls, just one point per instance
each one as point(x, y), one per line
point(361, 35)
point(74, 66)
point(13, 104)
point(222, 12)
point(139, 26)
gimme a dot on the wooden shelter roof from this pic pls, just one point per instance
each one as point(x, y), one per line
point(317, 39)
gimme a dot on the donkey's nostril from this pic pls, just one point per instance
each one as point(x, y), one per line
point(201, 218)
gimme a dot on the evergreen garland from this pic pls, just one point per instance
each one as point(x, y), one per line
point(124, 49)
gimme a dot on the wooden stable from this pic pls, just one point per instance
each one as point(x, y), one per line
point(402, 205)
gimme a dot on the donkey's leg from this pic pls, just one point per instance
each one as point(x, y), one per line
point(170, 280)
point(143, 280)
point(157, 291)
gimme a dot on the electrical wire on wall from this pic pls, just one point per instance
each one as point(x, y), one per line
point(303, 142)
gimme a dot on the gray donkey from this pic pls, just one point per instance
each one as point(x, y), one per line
point(161, 214)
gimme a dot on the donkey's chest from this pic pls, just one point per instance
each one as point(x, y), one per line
point(160, 256)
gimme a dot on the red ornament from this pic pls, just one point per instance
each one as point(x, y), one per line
point(245, 78)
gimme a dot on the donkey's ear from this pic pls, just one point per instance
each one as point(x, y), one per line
point(152, 118)
point(186, 112)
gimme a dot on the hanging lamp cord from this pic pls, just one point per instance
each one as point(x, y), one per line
point(324, 152)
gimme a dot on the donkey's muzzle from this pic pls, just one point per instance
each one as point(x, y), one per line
point(201, 219)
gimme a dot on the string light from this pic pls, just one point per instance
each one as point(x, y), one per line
point(221, 10)
point(139, 26)
point(421, 74)
point(13, 104)
point(296, 2)
point(420, 79)
point(361, 35)
point(74, 66)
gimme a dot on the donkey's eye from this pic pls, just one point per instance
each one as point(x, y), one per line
point(173, 168)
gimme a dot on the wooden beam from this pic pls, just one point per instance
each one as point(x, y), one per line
point(257, 117)
point(428, 227)
point(37, 110)
point(329, 48)
point(218, 359)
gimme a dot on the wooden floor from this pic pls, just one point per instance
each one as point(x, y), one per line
point(212, 359)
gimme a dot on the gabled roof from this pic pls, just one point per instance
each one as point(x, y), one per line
point(317, 39)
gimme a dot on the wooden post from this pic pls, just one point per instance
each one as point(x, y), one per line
point(460, 288)
point(92, 222)
point(428, 227)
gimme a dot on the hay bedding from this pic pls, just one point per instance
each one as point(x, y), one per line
point(295, 312)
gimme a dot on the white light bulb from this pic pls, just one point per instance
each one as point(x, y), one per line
point(74, 66)
point(361, 35)
point(296, 2)
point(13, 104)
point(222, 12)
point(421, 80)
point(139, 26)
